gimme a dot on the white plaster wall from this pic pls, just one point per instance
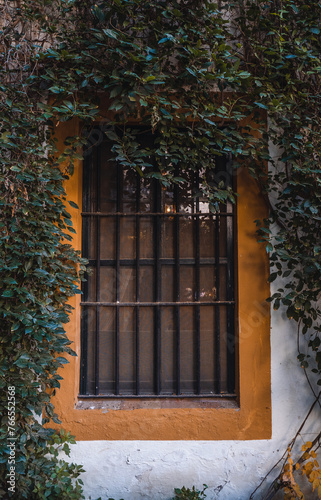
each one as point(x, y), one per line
point(136, 470)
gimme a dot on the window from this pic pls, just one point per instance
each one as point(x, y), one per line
point(158, 304)
point(107, 416)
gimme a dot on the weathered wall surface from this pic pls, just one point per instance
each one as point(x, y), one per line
point(136, 470)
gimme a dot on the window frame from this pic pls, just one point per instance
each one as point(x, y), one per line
point(250, 416)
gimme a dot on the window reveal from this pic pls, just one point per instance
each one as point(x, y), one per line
point(158, 305)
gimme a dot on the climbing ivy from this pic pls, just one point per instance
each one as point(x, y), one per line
point(238, 79)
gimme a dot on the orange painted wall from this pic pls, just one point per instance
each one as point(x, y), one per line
point(252, 418)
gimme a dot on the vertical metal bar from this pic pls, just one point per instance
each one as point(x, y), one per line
point(177, 291)
point(217, 333)
point(117, 280)
point(87, 166)
point(137, 278)
point(87, 184)
point(157, 290)
point(97, 352)
point(197, 290)
point(230, 340)
point(98, 209)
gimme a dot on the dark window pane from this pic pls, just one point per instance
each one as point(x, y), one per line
point(186, 237)
point(223, 347)
point(107, 350)
point(107, 238)
point(127, 350)
point(146, 355)
point(146, 283)
point(90, 244)
point(107, 181)
point(186, 192)
point(207, 284)
point(223, 283)
point(107, 284)
point(127, 238)
point(168, 350)
point(222, 235)
point(146, 195)
point(207, 341)
point(188, 365)
point(146, 238)
point(127, 284)
point(168, 239)
point(128, 195)
point(90, 183)
point(167, 201)
point(207, 237)
point(89, 334)
point(91, 284)
point(168, 283)
point(187, 284)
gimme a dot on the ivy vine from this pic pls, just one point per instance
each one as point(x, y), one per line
point(208, 79)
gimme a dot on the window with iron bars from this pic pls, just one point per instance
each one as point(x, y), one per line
point(158, 304)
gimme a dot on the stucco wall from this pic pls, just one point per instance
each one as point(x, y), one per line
point(135, 470)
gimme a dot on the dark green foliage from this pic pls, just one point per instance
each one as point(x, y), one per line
point(201, 76)
point(190, 494)
point(284, 58)
point(38, 275)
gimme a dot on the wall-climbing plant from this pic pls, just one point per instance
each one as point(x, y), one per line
point(198, 74)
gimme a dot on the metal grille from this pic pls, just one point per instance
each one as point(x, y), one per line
point(158, 303)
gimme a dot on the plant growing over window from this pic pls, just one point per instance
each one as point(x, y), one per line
point(193, 72)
